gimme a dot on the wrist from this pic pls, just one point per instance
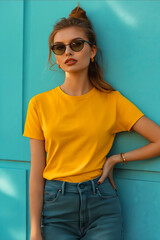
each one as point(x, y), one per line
point(116, 158)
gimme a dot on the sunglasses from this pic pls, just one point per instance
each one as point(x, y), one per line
point(75, 45)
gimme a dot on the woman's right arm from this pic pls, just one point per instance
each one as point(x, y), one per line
point(36, 186)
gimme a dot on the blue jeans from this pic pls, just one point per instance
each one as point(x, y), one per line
point(81, 211)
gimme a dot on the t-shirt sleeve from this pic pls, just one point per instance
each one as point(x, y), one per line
point(126, 114)
point(32, 127)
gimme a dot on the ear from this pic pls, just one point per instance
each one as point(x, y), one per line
point(93, 51)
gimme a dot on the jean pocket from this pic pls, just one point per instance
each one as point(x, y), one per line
point(106, 190)
point(51, 195)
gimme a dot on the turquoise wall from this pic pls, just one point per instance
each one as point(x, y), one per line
point(128, 34)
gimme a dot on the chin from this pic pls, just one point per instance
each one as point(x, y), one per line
point(71, 70)
point(76, 69)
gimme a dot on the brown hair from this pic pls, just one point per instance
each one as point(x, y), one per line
point(78, 18)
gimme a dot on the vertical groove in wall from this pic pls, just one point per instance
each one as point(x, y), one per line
point(23, 39)
point(27, 207)
point(23, 81)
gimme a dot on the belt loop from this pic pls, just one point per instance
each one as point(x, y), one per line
point(93, 186)
point(63, 184)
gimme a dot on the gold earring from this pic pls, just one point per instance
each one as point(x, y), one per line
point(58, 64)
point(92, 59)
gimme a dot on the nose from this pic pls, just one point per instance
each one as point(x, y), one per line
point(68, 50)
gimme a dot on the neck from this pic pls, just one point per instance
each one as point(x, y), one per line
point(76, 83)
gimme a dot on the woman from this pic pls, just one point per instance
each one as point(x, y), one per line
point(75, 124)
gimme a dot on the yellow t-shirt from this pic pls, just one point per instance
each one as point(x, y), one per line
point(78, 130)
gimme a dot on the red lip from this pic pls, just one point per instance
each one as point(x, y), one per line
point(70, 59)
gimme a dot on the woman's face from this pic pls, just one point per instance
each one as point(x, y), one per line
point(83, 57)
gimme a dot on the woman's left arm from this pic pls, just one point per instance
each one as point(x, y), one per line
point(151, 131)
point(148, 129)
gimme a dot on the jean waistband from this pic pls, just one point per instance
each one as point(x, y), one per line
point(73, 187)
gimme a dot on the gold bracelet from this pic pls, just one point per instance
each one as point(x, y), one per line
point(123, 158)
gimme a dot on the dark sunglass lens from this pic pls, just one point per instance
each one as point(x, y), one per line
point(58, 49)
point(77, 45)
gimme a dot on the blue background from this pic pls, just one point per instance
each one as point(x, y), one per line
point(128, 34)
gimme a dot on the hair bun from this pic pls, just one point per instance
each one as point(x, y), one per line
point(78, 13)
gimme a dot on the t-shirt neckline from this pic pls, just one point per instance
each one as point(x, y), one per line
point(83, 96)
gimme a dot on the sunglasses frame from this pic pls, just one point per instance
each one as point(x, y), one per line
point(82, 40)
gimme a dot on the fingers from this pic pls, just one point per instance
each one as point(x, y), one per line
point(112, 183)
